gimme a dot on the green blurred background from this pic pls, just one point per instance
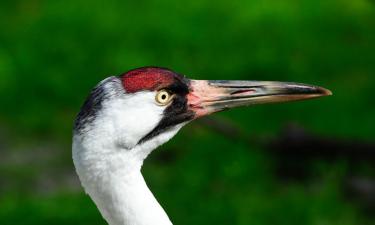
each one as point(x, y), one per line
point(229, 169)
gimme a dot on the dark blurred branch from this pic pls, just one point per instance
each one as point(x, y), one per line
point(231, 131)
point(223, 127)
point(297, 142)
point(295, 150)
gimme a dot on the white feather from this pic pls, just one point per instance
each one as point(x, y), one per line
point(108, 159)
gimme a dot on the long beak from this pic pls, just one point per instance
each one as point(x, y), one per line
point(209, 96)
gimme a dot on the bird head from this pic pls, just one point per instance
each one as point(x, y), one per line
point(126, 117)
point(147, 106)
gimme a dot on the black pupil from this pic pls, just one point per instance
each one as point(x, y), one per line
point(163, 96)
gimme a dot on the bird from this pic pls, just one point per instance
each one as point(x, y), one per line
point(126, 117)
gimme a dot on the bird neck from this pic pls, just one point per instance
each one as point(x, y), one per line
point(128, 201)
point(120, 192)
point(112, 177)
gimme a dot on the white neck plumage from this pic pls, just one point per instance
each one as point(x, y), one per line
point(126, 200)
point(108, 155)
point(111, 175)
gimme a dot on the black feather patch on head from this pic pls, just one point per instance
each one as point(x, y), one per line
point(177, 112)
point(93, 104)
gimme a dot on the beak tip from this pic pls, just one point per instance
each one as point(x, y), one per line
point(324, 91)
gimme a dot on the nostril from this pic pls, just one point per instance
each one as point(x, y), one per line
point(247, 91)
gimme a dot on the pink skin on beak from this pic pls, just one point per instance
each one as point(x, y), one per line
point(209, 96)
point(200, 95)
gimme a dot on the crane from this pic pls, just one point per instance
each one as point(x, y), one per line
point(126, 117)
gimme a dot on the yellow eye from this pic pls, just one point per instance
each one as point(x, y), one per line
point(163, 97)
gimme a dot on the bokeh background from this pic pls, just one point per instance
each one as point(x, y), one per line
point(298, 163)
